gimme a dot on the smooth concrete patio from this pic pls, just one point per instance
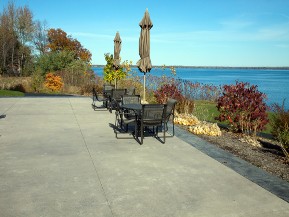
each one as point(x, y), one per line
point(59, 157)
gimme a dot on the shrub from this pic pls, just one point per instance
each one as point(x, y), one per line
point(18, 87)
point(37, 79)
point(280, 126)
point(55, 61)
point(168, 91)
point(184, 105)
point(111, 74)
point(53, 82)
point(22, 84)
point(243, 106)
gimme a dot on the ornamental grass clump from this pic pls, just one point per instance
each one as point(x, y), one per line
point(280, 127)
point(243, 107)
point(197, 127)
point(186, 119)
point(205, 128)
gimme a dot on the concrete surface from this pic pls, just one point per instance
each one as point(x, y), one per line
point(59, 157)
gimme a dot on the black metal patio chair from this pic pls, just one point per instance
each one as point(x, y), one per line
point(130, 99)
point(152, 115)
point(170, 113)
point(98, 98)
point(116, 95)
point(123, 119)
point(107, 91)
point(130, 91)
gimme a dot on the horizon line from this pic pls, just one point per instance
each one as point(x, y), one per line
point(229, 67)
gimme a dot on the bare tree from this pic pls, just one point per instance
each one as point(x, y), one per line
point(40, 39)
point(4, 41)
point(8, 40)
point(24, 29)
point(19, 38)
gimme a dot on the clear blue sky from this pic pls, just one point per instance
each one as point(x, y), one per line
point(185, 32)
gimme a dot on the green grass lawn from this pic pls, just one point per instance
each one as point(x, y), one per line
point(10, 93)
point(207, 111)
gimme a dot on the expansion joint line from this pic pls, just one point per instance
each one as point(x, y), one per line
point(90, 156)
point(4, 113)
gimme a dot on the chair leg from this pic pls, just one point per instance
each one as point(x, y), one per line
point(167, 129)
point(163, 127)
point(136, 131)
point(141, 133)
point(93, 103)
point(164, 136)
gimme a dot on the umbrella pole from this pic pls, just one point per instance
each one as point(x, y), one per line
point(144, 87)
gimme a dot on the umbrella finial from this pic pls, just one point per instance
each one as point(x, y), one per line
point(117, 37)
point(146, 20)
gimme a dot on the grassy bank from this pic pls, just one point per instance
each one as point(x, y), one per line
point(10, 93)
point(207, 111)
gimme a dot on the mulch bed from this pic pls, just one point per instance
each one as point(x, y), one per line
point(268, 157)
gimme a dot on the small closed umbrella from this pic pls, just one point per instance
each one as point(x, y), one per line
point(117, 48)
point(144, 64)
point(116, 56)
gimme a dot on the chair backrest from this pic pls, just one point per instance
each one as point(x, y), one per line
point(153, 113)
point(94, 94)
point(93, 91)
point(116, 105)
point(130, 91)
point(118, 93)
point(107, 89)
point(130, 99)
point(170, 108)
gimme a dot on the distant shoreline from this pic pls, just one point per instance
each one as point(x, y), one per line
point(218, 67)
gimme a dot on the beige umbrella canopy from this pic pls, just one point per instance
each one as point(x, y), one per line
point(117, 48)
point(144, 64)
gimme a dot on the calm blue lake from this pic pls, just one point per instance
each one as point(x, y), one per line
point(274, 83)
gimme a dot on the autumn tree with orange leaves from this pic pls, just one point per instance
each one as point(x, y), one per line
point(67, 58)
point(59, 41)
point(53, 82)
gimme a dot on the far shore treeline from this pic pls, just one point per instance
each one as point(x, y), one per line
point(213, 67)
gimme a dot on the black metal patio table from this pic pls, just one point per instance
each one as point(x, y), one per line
point(147, 116)
point(136, 107)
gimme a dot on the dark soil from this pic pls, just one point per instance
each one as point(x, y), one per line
point(268, 157)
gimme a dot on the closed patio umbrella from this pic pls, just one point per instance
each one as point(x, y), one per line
point(144, 64)
point(117, 48)
point(116, 55)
